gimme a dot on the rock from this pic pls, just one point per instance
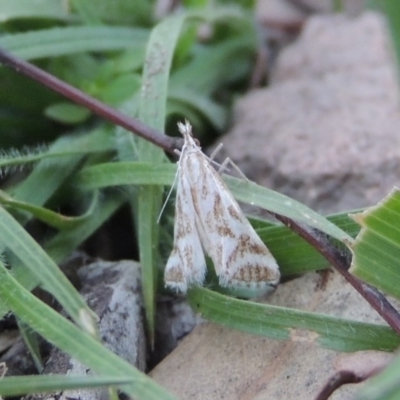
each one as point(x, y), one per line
point(325, 132)
point(113, 292)
point(214, 362)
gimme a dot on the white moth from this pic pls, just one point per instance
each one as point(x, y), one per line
point(208, 218)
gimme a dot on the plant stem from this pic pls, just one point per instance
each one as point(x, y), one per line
point(341, 262)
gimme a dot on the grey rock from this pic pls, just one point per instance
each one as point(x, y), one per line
point(325, 132)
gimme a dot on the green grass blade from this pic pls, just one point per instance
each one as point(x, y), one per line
point(376, 251)
point(385, 386)
point(78, 344)
point(391, 8)
point(286, 323)
point(31, 340)
point(105, 175)
point(18, 9)
point(152, 111)
point(47, 216)
point(71, 40)
point(293, 254)
point(15, 238)
point(186, 98)
point(50, 174)
point(61, 246)
point(192, 74)
point(21, 385)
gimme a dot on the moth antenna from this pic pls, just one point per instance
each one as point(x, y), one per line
point(169, 194)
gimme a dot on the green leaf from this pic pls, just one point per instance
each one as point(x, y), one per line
point(71, 40)
point(49, 217)
point(116, 11)
point(31, 341)
point(385, 386)
point(61, 246)
point(55, 9)
point(131, 173)
point(14, 237)
point(21, 385)
point(98, 141)
point(391, 9)
point(286, 323)
point(152, 111)
point(50, 174)
point(77, 343)
point(293, 254)
point(376, 250)
point(67, 113)
point(185, 97)
point(214, 60)
point(120, 88)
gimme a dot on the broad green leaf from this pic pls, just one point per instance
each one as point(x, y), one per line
point(77, 343)
point(285, 323)
point(67, 113)
point(120, 88)
point(376, 250)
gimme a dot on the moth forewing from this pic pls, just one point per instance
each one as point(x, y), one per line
point(208, 217)
point(186, 264)
point(240, 257)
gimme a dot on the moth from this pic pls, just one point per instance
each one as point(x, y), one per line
point(209, 220)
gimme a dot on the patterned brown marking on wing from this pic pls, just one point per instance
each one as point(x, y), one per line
point(218, 218)
point(246, 245)
point(188, 256)
point(225, 231)
point(234, 213)
point(204, 192)
point(183, 226)
point(174, 274)
point(218, 208)
point(218, 254)
point(253, 273)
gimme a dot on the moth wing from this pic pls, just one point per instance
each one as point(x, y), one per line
point(186, 264)
point(240, 257)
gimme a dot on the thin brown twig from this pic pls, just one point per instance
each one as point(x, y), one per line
point(335, 382)
point(133, 125)
point(341, 262)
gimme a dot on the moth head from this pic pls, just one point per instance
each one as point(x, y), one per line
point(187, 132)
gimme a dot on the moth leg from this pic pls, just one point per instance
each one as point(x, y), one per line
point(215, 151)
point(228, 161)
point(223, 167)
